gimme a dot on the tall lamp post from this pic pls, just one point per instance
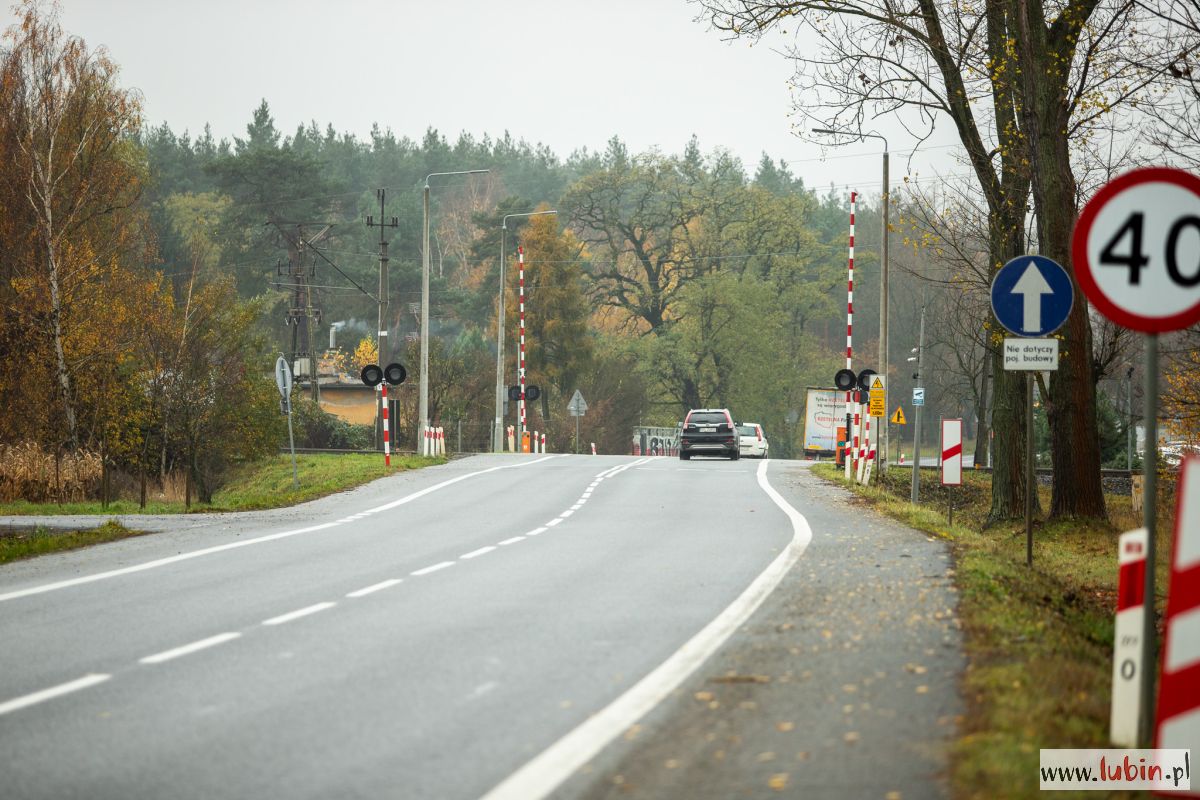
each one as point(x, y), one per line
point(883, 277)
point(424, 399)
point(498, 431)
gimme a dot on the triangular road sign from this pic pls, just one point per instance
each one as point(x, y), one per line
point(898, 417)
point(876, 384)
point(577, 407)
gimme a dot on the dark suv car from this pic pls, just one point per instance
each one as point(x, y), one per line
point(708, 432)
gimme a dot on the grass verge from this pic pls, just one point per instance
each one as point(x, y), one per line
point(16, 545)
point(262, 484)
point(1038, 640)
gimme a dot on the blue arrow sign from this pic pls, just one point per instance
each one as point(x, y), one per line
point(1032, 296)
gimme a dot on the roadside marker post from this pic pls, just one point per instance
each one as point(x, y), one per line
point(1127, 638)
point(1178, 718)
point(1135, 255)
point(1032, 297)
point(387, 442)
point(952, 457)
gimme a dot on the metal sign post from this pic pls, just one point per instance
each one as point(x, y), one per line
point(577, 408)
point(1136, 260)
point(283, 379)
point(1031, 296)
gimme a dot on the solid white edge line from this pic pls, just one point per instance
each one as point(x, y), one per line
point(298, 613)
point(512, 540)
point(17, 703)
point(375, 587)
point(478, 552)
point(547, 771)
point(433, 568)
point(188, 649)
point(162, 562)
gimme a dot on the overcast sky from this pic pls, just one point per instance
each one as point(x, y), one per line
point(569, 73)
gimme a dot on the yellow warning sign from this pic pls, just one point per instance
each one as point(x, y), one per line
point(878, 400)
point(898, 417)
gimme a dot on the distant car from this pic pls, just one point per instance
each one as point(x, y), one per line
point(751, 441)
point(708, 432)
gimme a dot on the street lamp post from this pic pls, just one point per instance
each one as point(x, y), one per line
point(883, 280)
point(424, 392)
point(498, 431)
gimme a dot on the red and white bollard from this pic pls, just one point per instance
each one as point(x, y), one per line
point(1127, 639)
point(387, 444)
point(1177, 723)
point(593, 448)
point(543, 443)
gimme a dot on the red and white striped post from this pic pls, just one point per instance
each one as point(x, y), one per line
point(1127, 638)
point(952, 452)
point(521, 327)
point(1178, 719)
point(851, 413)
point(865, 449)
point(387, 442)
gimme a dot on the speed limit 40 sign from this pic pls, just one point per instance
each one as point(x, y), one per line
point(1136, 250)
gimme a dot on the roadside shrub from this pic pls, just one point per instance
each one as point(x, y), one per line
point(315, 427)
point(29, 473)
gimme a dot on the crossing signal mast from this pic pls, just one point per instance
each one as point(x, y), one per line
point(376, 374)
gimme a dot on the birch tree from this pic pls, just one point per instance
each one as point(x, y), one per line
point(72, 176)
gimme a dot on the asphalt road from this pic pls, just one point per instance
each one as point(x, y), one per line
point(431, 635)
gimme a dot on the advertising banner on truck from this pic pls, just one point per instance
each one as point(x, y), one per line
point(823, 411)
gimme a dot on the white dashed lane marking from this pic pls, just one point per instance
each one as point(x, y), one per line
point(34, 698)
point(94, 679)
point(479, 552)
point(433, 568)
point(375, 587)
point(297, 614)
point(188, 649)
